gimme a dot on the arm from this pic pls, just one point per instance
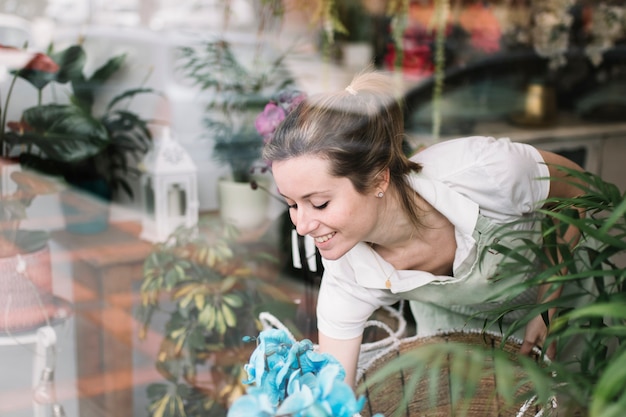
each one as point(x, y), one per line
point(344, 306)
point(536, 330)
point(345, 351)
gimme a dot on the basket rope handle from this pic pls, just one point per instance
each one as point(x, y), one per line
point(529, 402)
point(268, 320)
point(394, 336)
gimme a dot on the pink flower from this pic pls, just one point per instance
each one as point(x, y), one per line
point(19, 127)
point(267, 121)
point(42, 62)
point(276, 110)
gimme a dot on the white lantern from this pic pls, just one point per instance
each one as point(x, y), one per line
point(169, 190)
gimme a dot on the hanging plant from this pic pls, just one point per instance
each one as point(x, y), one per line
point(442, 9)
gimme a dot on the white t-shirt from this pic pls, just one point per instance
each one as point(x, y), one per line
point(500, 179)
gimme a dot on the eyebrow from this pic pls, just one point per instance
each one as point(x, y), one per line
point(306, 196)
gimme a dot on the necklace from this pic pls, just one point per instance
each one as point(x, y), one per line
point(387, 280)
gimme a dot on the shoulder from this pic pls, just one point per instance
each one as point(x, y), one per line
point(502, 176)
point(467, 152)
point(480, 158)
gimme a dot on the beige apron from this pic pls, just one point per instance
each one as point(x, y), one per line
point(457, 304)
point(463, 303)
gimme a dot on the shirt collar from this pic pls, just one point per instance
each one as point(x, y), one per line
point(372, 271)
point(458, 209)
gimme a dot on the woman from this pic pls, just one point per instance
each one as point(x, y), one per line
point(391, 228)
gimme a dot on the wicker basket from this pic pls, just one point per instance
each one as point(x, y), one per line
point(386, 397)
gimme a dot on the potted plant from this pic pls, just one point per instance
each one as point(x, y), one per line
point(26, 278)
point(354, 35)
point(592, 385)
point(90, 151)
point(238, 89)
point(209, 290)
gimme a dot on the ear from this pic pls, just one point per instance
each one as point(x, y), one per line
point(383, 180)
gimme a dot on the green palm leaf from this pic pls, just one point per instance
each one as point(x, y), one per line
point(609, 396)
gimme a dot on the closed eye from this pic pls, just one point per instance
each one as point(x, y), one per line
point(320, 207)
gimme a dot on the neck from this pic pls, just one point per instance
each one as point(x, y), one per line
point(394, 230)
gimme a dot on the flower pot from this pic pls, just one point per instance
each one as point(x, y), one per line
point(357, 55)
point(86, 207)
point(242, 206)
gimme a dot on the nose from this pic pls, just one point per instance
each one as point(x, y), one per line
point(304, 221)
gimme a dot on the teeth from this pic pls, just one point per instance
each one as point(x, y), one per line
point(322, 239)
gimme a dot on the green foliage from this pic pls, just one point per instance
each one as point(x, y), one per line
point(60, 132)
point(72, 141)
point(238, 91)
point(593, 384)
point(206, 285)
point(353, 23)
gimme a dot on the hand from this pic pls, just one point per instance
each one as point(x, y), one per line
point(535, 335)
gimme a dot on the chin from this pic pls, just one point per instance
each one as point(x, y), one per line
point(331, 255)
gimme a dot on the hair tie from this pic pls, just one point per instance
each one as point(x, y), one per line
point(351, 90)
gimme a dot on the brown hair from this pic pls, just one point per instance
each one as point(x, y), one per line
point(359, 130)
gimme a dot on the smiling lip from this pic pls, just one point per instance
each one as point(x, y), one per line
point(324, 238)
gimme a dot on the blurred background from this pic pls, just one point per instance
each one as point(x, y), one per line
point(157, 99)
point(495, 55)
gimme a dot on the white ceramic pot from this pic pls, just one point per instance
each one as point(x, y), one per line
point(357, 55)
point(242, 206)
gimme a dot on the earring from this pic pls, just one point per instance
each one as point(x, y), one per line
point(380, 194)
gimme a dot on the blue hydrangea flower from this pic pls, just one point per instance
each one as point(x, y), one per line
point(301, 356)
point(272, 348)
point(288, 378)
point(299, 399)
point(335, 396)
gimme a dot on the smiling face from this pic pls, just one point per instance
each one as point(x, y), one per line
point(327, 208)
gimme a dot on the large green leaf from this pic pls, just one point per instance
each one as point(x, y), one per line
point(86, 88)
point(62, 133)
point(39, 79)
point(71, 63)
point(128, 132)
point(113, 65)
point(128, 94)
